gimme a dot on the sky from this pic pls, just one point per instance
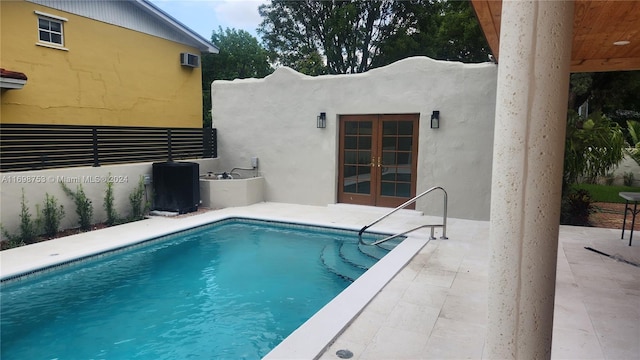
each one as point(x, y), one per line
point(204, 16)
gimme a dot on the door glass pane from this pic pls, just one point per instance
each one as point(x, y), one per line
point(388, 158)
point(389, 128)
point(364, 171)
point(350, 142)
point(404, 175)
point(404, 158)
point(349, 185)
point(349, 170)
point(389, 174)
point(404, 143)
point(364, 187)
point(350, 157)
point(365, 127)
point(364, 180)
point(403, 190)
point(389, 143)
point(364, 142)
point(364, 157)
point(351, 128)
point(387, 189)
point(405, 127)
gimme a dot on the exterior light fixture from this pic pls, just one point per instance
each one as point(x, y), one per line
point(435, 119)
point(322, 120)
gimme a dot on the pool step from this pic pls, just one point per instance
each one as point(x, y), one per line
point(351, 253)
point(373, 251)
point(391, 244)
point(350, 260)
point(330, 257)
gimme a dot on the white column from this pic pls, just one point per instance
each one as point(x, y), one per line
point(531, 111)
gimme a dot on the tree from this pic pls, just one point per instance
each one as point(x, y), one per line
point(613, 93)
point(460, 37)
point(241, 56)
point(354, 36)
point(633, 140)
point(310, 64)
point(345, 33)
point(444, 30)
point(593, 146)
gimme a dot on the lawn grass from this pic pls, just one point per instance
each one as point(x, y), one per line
point(606, 193)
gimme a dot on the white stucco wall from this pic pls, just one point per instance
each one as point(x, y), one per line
point(627, 165)
point(218, 194)
point(275, 119)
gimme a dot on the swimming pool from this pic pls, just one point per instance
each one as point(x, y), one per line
point(169, 299)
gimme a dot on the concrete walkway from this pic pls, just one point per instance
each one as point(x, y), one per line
point(435, 307)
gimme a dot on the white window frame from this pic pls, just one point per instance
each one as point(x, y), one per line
point(51, 18)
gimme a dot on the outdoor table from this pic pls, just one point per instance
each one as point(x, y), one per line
point(630, 197)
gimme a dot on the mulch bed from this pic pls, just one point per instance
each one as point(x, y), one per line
point(5, 245)
point(67, 232)
point(611, 216)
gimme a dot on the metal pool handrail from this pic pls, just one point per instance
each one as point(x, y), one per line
point(407, 203)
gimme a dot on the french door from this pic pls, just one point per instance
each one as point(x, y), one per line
point(378, 159)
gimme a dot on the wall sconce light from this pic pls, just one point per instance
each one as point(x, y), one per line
point(435, 119)
point(322, 120)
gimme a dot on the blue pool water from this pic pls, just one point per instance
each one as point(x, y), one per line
point(231, 290)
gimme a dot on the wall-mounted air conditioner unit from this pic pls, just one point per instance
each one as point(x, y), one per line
point(187, 59)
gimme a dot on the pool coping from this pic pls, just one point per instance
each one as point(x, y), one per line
point(307, 341)
point(316, 334)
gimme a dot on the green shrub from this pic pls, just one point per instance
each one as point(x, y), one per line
point(576, 208)
point(52, 214)
point(12, 241)
point(84, 208)
point(139, 207)
point(28, 227)
point(628, 178)
point(609, 178)
point(112, 215)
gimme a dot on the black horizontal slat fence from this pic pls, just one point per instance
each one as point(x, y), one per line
point(34, 147)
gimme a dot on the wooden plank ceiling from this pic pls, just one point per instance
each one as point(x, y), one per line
point(598, 28)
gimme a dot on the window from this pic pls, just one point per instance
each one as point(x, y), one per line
point(50, 30)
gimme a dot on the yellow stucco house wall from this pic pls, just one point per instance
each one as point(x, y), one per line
point(103, 72)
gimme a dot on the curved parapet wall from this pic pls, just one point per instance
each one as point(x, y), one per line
point(275, 119)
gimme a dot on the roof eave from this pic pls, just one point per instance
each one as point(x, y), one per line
point(206, 46)
point(10, 83)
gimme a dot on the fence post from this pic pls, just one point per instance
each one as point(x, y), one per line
point(214, 143)
point(43, 162)
point(206, 143)
point(169, 145)
point(96, 159)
